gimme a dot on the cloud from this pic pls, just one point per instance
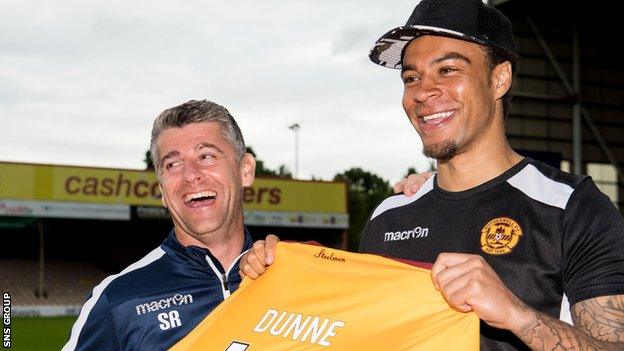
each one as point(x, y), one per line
point(83, 81)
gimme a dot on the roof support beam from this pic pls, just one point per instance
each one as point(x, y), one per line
point(572, 91)
point(577, 128)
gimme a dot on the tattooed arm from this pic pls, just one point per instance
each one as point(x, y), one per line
point(599, 325)
point(468, 283)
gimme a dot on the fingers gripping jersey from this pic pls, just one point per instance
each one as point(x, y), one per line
point(316, 298)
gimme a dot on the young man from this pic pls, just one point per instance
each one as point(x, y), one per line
point(199, 156)
point(509, 236)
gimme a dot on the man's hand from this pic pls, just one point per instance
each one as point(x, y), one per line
point(468, 283)
point(410, 185)
point(261, 255)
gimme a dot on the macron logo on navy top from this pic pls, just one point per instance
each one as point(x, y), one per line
point(156, 305)
point(415, 233)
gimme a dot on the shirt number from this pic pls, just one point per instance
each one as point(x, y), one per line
point(237, 346)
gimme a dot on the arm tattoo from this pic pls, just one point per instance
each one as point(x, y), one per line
point(599, 325)
point(602, 317)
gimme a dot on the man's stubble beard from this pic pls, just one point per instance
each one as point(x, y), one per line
point(442, 151)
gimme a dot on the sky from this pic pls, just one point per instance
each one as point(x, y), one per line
point(82, 81)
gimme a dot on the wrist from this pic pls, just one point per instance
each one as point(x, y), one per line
point(521, 319)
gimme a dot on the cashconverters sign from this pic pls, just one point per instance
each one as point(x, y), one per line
point(78, 192)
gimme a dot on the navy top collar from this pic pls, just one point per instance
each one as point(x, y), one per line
point(195, 255)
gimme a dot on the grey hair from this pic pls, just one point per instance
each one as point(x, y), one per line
point(195, 111)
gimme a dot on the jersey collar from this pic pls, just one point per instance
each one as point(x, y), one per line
point(195, 255)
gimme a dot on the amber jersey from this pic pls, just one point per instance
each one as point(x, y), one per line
point(317, 298)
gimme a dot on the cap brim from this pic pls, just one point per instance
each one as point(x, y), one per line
point(388, 49)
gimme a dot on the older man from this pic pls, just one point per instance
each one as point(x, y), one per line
point(199, 155)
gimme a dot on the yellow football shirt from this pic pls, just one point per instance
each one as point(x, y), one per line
point(318, 298)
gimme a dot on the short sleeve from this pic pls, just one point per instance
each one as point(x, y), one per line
point(593, 245)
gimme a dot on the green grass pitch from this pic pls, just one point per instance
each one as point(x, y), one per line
point(40, 334)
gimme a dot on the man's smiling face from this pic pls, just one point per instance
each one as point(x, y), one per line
point(202, 180)
point(448, 95)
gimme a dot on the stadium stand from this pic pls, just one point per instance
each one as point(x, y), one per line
point(66, 283)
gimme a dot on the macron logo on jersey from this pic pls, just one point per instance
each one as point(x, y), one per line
point(156, 305)
point(415, 233)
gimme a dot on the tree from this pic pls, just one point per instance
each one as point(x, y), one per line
point(262, 170)
point(412, 170)
point(432, 166)
point(366, 191)
point(149, 165)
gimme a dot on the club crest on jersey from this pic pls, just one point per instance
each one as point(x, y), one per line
point(500, 236)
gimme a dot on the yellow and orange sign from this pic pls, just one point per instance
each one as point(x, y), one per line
point(140, 188)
